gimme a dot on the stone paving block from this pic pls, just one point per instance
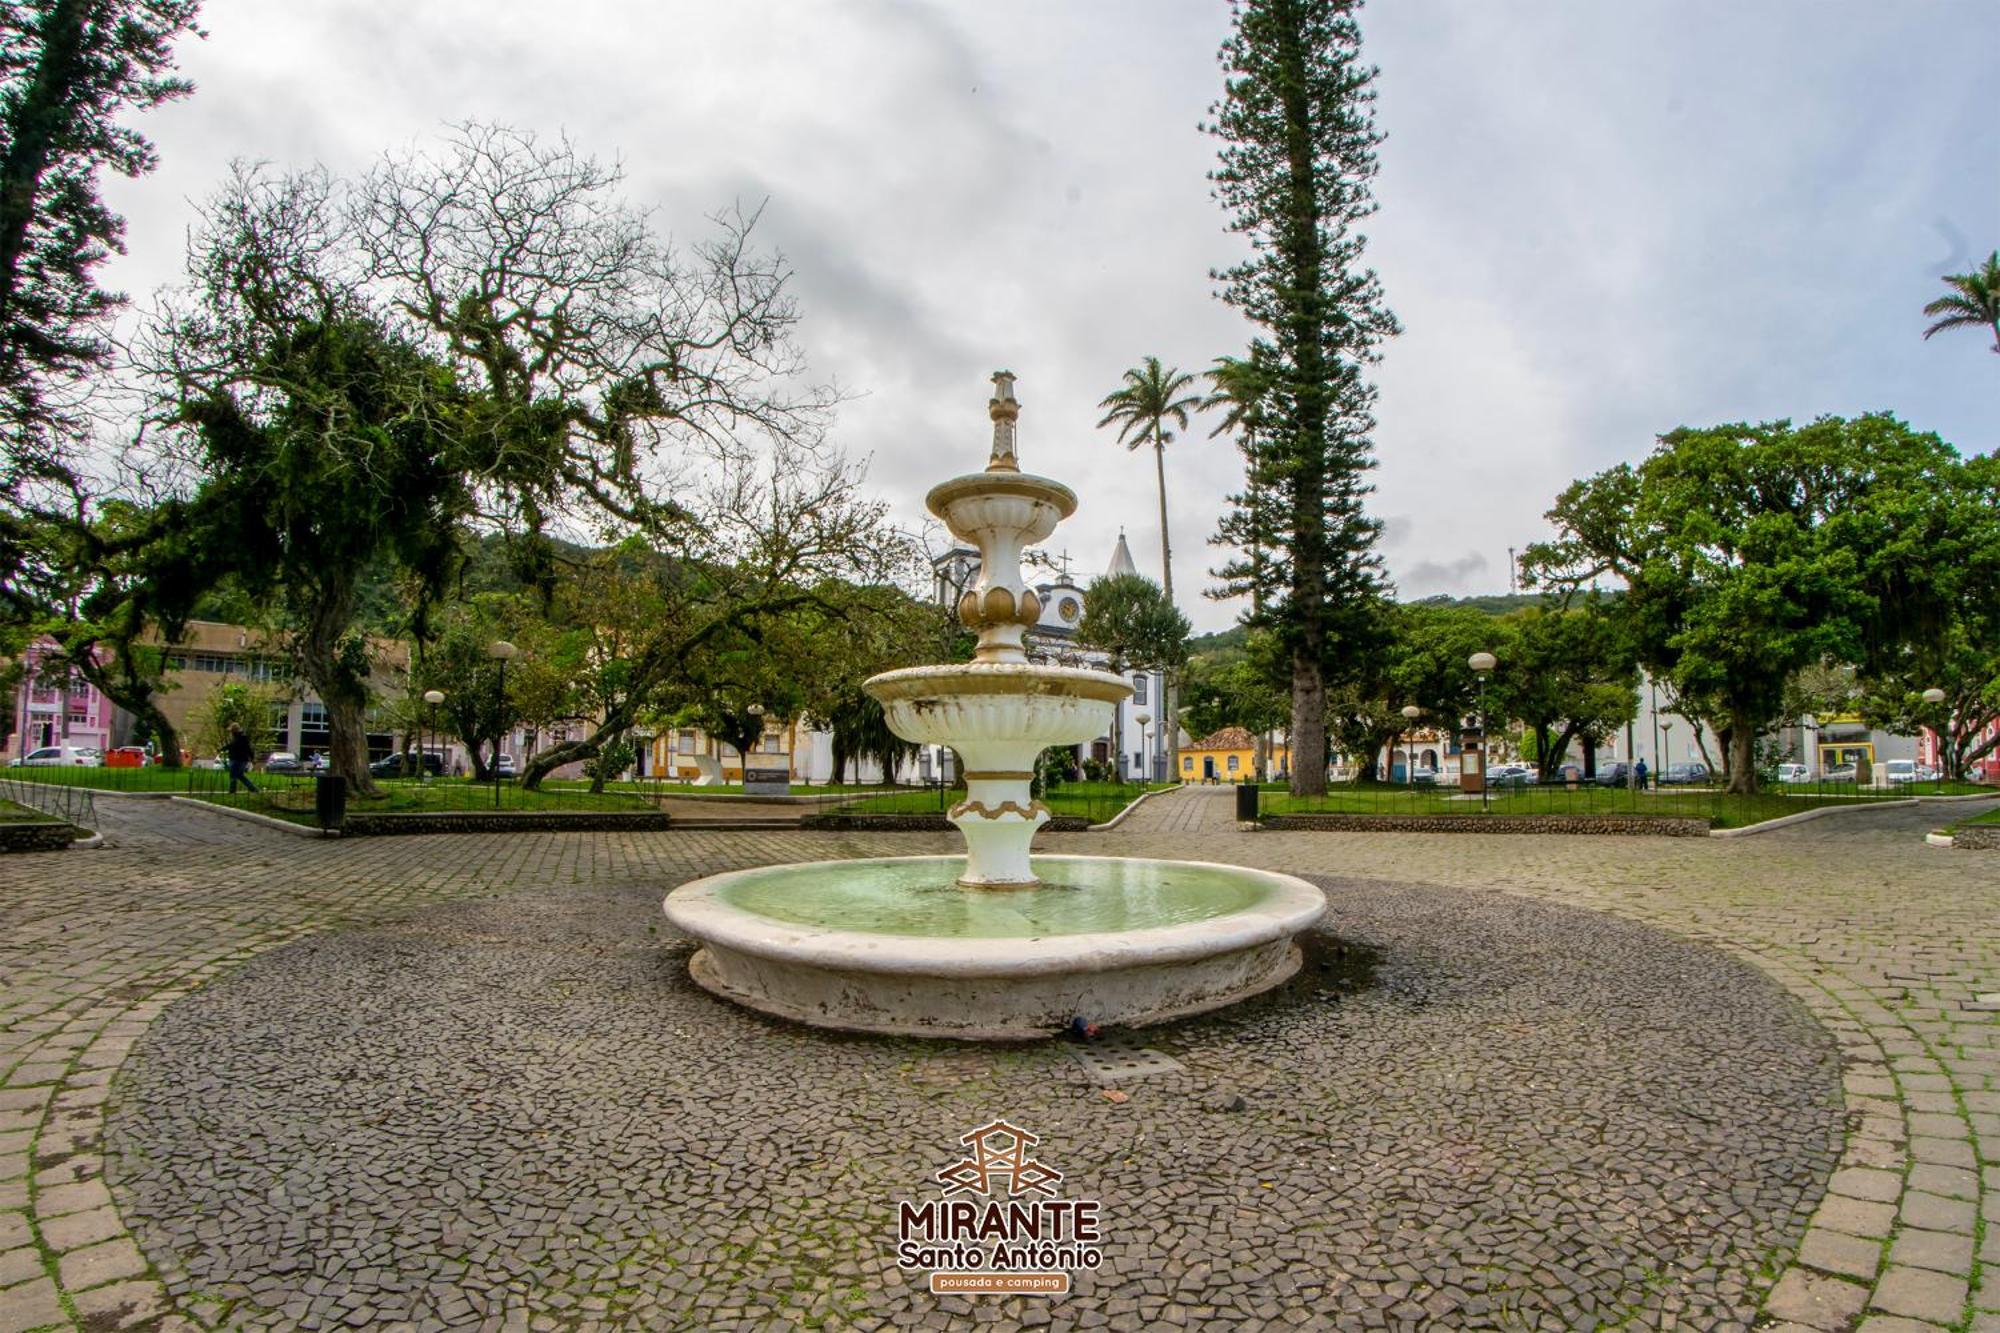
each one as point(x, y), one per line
point(73, 1231)
point(19, 1265)
point(1944, 1251)
point(1895, 1323)
point(1856, 1217)
point(121, 1305)
point(1932, 1212)
point(1953, 1182)
point(1832, 1252)
point(30, 1305)
point(1920, 1294)
point(104, 1262)
point(1944, 1152)
point(56, 1200)
point(1863, 1183)
point(1817, 1302)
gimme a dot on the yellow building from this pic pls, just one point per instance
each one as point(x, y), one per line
point(688, 754)
point(1229, 755)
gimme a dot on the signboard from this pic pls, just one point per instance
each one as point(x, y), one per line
point(768, 775)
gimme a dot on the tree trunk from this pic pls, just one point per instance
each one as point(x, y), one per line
point(1166, 548)
point(345, 695)
point(1742, 756)
point(139, 698)
point(1308, 726)
point(1261, 757)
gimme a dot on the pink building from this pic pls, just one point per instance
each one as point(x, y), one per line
point(51, 711)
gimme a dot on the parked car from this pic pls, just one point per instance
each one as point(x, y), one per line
point(1684, 775)
point(127, 756)
point(1510, 775)
point(404, 766)
point(1794, 773)
point(283, 761)
point(1843, 773)
point(49, 756)
point(504, 767)
point(1900, 771)
point(1614, 775)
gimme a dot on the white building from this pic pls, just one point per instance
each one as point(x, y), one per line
point(1138, 737)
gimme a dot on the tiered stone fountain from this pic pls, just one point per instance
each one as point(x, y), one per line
point(1000, 945)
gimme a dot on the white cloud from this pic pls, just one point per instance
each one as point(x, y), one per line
point(1599, 221)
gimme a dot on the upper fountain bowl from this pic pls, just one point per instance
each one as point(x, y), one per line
point(1023, 508)
point(998, 701)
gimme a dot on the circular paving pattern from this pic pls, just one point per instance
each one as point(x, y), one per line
point(1474, 1110)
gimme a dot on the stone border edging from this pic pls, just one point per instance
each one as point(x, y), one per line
point(1941, 839)
point(1130, 806)
point(1640, 826)
point(269, 821)
point(914, 823)
point(385, 824)
point(1973, 838)
point(1837, 809)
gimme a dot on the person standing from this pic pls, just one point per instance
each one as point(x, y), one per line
point(1640, 770)
point(239, 754)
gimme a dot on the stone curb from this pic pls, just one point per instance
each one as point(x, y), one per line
point(1940, 840)
point(419, 822)
point(1630, 826)
point(269, 821)
point(1136, 802)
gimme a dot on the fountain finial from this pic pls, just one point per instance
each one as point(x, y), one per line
point(1004, 409)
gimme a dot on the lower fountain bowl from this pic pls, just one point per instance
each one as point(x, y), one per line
point(893, 945)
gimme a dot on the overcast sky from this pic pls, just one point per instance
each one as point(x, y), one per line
point(1599, 221)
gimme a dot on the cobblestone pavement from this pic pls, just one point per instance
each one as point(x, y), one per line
point(1889, 944)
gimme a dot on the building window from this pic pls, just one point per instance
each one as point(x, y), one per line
point(685, 742)
point(1139, 688)
point(1235, 762)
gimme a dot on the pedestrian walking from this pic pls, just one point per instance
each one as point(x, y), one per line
point(1639, 769)
point(238, 754)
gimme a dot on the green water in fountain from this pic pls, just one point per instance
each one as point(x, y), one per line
point(921, 896)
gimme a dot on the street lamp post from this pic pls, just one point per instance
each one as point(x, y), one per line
point(1410, 714)
point(1667, 734)
point(502, 652)
point(1145, 748)
point(432, 698)
point(1482, 664)
point(1935, 696)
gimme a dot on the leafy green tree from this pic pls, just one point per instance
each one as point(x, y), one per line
point(1244, 687)
point(1129, 619)
point(1750, 552)
point(1298, 154)
point(1974, 302)
point(234, 703)
point(1241, 388)
point(326, 445)
point(1569, 673)
point(70, 70)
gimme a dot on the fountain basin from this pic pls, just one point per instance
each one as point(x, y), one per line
point(893, 945)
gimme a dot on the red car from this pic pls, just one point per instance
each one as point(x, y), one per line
point(126, 756)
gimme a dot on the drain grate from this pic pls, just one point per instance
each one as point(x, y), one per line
point(1116, 1060)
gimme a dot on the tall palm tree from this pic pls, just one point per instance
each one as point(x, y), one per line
point(1141, 411)
point(1974, 302)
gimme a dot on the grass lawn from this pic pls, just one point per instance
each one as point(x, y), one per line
point(1990, 817)
point(20, 814)
point(1095, 801)
point(1719, 807)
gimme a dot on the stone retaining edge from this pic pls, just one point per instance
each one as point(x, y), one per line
point(1641, 826)
point(501, 821)
point(927, 823)
point(268, 821)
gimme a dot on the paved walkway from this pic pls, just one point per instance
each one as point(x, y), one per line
point(1891, 945)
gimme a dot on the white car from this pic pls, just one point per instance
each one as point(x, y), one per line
point(52, 755)
point(1793, 773)
point(1899, 771)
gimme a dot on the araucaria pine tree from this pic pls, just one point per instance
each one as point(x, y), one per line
point(1299, 139)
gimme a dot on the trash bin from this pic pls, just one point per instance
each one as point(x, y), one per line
point(1246, 800)
point(330, 800)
